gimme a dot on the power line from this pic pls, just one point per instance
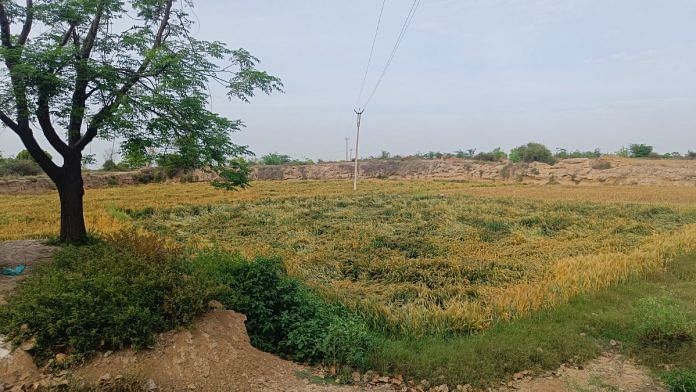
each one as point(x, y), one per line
point(399, 39)
point(372, 51)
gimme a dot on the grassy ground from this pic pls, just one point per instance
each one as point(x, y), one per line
point(576, 331)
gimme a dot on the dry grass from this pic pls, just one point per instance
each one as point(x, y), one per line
point(414, 256)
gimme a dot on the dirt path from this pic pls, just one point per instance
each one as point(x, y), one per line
point(610, 372)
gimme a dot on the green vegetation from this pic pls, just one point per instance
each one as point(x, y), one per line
point(575, 332)
point(285, 317)
point(562, 153)
point(280, 159)
point(532, 152)
point(103, 296)
point(120, 291)
point(640, 151)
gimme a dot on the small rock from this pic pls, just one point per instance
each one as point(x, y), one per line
point(108, 353)
point(425, 384)
point(396, 381)
point(24, 328)
point(61, 359)
point(150, 385)
point(355, 376)
point(215, 305)
point(383, 379)
point(613, 343)
point(28, 345)
point(106, 377)
point(583, 334)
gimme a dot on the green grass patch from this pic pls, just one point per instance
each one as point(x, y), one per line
point(651, 319)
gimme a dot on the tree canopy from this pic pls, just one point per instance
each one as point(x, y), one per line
point(132, 70)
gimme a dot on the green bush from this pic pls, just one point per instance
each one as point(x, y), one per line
point(660, 322)
point(103, 296)
point(681, 381)
point(283, 316)
point(640, 150)
point(532, 152)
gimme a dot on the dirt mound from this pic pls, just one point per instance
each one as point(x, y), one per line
point(607, 171)
point(214, 356)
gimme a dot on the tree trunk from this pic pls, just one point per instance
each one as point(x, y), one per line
point(71, 191)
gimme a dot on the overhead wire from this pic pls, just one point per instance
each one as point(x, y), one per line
point(372, 51)
point(402, 33)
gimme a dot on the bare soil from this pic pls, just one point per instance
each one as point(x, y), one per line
point(28, 253)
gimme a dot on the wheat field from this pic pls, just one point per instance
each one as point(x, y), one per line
point(414, 257)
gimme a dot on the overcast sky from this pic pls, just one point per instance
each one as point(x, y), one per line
point(577, 74)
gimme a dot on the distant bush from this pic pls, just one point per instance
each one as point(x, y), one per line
point(532, 152)
point(104, 296)
point(283, 316)
point(564, 154)
point(24, 155)
point(601, 165)
point(110, 165)
point(681, 380)
point(496, 155)
point(19, 167)
point(640, 150)
point(690, 155)
point(280, 159)
point(662, 323)
point(275, 159)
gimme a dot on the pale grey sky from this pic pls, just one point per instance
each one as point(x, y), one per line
point(479, 74)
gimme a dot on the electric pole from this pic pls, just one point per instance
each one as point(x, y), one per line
point(357, 144)
point(347, 156)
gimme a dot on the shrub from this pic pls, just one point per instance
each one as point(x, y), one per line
point(681, 381)
point(661, 322)
point(562, 153)
point(690, 155)
point(532, 152)
point(103, 296)
point(283, 316)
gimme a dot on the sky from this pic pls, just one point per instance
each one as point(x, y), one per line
point(574, 74)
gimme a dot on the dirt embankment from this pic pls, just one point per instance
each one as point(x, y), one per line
point(583, 171)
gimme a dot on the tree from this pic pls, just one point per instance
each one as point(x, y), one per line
point(532, 152)
point(640, 150)
point(70, 69)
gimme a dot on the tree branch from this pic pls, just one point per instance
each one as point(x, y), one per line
point(43, 114)
point(79, 98)
point(105, 111)
point(9, 122)
point(26, 29)
point(5, 35)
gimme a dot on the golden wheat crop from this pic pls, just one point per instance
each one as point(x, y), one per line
point(413, 256)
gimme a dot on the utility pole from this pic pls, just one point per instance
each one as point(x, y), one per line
point(357, 141)
point(347, 156)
